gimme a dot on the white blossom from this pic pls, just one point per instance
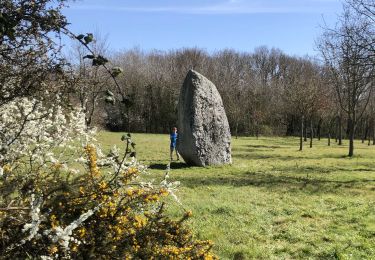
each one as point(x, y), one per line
point(64, 235)
point(171, 187)
point(35, 218)
point(45, 257)
point(30, 129)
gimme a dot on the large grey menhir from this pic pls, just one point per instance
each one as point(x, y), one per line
point(204, 135)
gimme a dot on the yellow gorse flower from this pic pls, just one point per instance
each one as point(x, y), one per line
point(54, 221)
point(75, 248)
point(7, 168)
point(93, 167)
point(129, 192)
point(103, 185)
point(82, 232)
point(139, 221)
point(57, 166)
point(53, 249)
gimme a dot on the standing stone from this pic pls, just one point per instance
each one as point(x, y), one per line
point(203, 130)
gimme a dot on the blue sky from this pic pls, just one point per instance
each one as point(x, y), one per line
point(290, 25)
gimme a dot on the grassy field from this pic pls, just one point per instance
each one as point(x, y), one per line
point(275, 202)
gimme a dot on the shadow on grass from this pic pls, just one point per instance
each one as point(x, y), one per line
point(255, 156)
point(263, 146)
point(271, 181)
point(163, 166)
point(251, 154)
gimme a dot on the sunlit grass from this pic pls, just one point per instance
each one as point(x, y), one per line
point(274, 201)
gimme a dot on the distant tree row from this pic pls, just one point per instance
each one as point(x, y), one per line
point(259, 90)
point(265, 92)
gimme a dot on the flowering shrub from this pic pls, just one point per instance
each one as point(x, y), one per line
point(60, 197)
point(28, 128)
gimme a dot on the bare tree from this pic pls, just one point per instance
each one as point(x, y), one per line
point(89, 83)
point(351, 72)
point(301, 90)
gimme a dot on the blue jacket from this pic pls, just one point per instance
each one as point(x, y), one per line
point(173, 140)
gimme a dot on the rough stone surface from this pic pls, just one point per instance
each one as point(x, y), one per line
point(203, 130)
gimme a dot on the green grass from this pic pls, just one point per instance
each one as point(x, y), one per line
point(275, 202)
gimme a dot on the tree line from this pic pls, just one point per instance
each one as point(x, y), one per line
point(259, 89)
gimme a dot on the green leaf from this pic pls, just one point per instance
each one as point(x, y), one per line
point(89, 57)
point(110, 100)
point(109, 93)
point(100, 60)
point(115, 71)
point(88, 38)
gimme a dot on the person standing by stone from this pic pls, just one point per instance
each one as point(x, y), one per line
point(173, 145)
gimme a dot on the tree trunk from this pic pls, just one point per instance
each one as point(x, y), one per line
point(329, 131)
point(351, 126)
point(319, 128)
point(305, 131)
point(311, 132)
point(290, 127)
point(340, 130)
point(336, 129)
point(351, 144)
point(237, 130)
point(364, 130)
point(329, 138)
point(367, 130)
point(301, 136)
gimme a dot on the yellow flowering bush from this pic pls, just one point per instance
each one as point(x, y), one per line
point(109, 215)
